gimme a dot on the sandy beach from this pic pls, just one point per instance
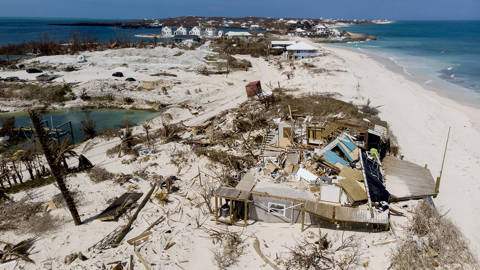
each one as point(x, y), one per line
point(418, 117)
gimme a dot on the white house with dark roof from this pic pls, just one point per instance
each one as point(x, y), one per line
point(181, 31)
point(166, 31)
point(195, 31)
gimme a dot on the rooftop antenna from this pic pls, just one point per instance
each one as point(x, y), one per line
point(437, 185)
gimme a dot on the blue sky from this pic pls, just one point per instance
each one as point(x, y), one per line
point(349, 9)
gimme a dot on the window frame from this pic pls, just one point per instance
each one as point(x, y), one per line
point(277, 211)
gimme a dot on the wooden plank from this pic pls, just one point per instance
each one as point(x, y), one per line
point(142, 260)
point(119, 206)
point(406, 180)
point(322, 210)
point(247, 183)
point(143, 237)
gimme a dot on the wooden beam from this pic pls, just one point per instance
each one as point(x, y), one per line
point(231, 209)
point(303, 219)
point(437, 184)
point(245, 212)
point(142, 260)
point(216, 210)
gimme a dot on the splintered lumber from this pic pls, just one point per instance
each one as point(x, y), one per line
point(18, 251)
point(155, 223)
point(119, 206)
point(126, 229)
point(143, 237)
point(256, 246)
point(142, 260)
point(169, 245)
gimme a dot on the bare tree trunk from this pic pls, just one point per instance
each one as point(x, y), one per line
point(19, 176)
point(54, 167)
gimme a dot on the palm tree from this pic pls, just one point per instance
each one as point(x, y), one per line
point(17, 167)
point(147, 127)
point(54, 166)
point(63, 150)
point(27, 157)
point(126, 143)
point(5, 171)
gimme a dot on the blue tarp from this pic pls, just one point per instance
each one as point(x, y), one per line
point(349, 144)
point(345, 152)
point(334, 158)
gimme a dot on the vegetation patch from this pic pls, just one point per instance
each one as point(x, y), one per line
point(39, 182)
point(432, 241)
point(50, 93)
point(100, 174)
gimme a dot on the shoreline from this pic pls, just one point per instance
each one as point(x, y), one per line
point(420, 119)
point(441, 88)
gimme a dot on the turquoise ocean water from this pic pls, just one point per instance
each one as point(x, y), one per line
point(448, 51)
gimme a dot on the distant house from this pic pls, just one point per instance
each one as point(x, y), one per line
point(278, 47)
point(300, 32)
point(321, 29)
point(195, 31)
point(335, 33)
point(166, 31)
point(254, 26)
point(238, 35)
point(301, 50)
point(181, 31)
point(292, 22)
point(210, 32)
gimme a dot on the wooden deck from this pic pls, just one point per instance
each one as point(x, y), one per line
point(406, 180)
point(335, 213)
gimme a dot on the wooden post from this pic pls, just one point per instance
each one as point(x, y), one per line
point(231, 209)
point(245, 212)
point(216, 210)
point(293, 213)
point(437, 184)
point(199, 176)
point(131, 262)
point(303, 218)
point(127, 227)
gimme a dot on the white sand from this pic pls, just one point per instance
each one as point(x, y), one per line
point(418, 117)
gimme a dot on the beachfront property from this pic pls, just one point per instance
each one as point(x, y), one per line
point(301, 50)
point(166, 31)
point(321, 29)
point(180, 31)
point(311, 175)
point(300, 32)
point(209, 32)
point(195, 31)
point(238, 35)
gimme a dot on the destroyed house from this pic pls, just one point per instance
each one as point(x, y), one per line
point(327, 174)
